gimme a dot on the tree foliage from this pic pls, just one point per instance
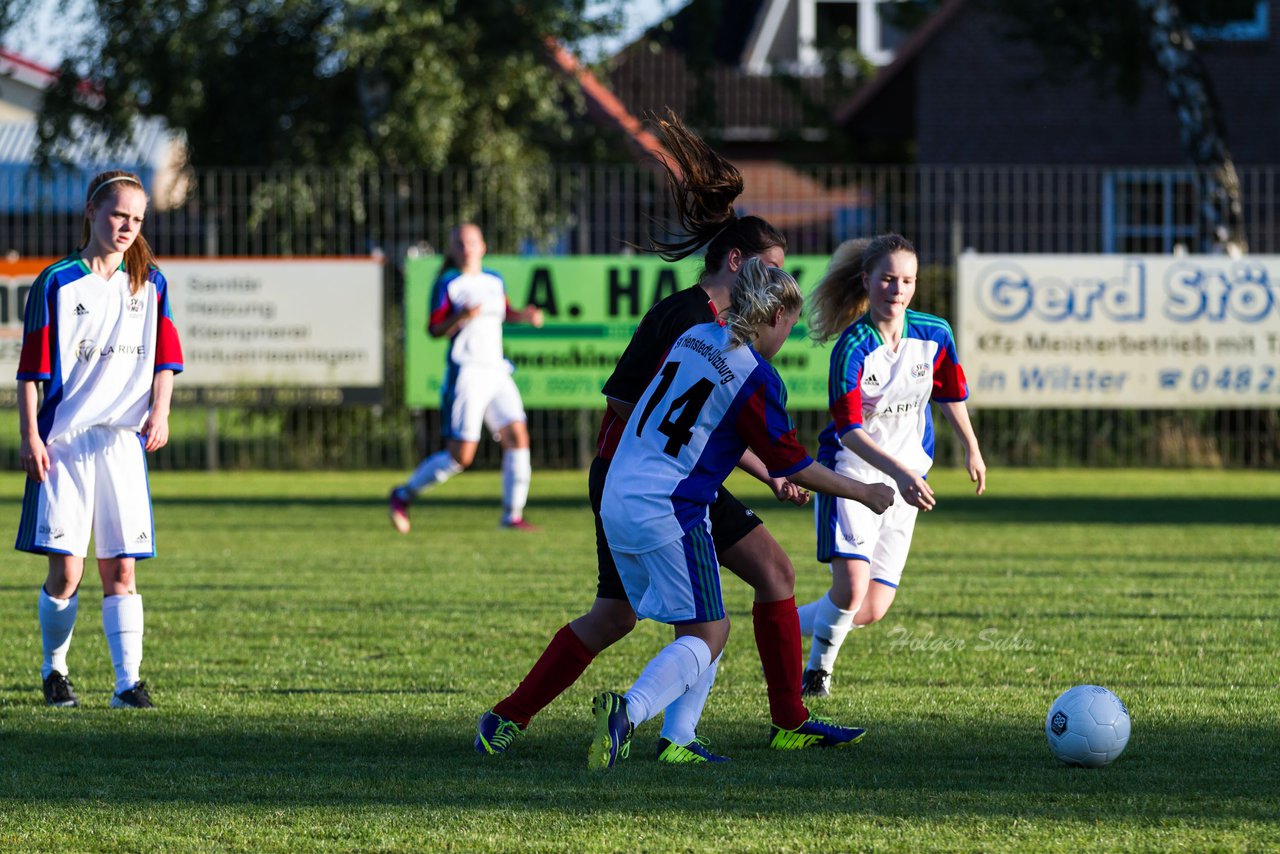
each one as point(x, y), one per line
point(403, 83)
point(356, 86)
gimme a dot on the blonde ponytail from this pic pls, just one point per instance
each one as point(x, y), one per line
point(841, 296)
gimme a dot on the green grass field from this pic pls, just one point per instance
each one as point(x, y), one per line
point(318, 678)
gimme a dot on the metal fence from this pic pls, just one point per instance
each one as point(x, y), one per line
point(604, 210)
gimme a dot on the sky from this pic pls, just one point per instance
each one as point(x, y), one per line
point(44, 37)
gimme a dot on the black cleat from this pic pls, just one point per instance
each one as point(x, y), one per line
point(58, 691)
point(135, 698)
point(816, 683)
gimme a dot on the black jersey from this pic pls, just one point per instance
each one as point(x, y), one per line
point(658, 330)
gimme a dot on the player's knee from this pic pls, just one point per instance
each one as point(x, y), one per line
point(842, 599)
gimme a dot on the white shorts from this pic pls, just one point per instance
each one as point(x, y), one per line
point(96, 484)
point(475, 397)
point(676, 583)
point(851, 530)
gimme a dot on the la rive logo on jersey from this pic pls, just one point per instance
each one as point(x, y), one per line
point(88, 349)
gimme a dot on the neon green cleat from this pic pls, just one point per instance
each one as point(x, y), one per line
point(494, 733)
point(818, 731)
point(694, 751)
point(612, 739)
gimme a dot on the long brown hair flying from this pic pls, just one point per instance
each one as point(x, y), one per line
point(138, 258)
point(703, 186)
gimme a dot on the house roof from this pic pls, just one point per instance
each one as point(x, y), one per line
point(694, 59)
point(149, 145)
point(893, 73)
point(25, 70)
point(604, 106)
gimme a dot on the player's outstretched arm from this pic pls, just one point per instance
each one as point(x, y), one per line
point(915, 489)
point(783, 489)
point(530, 314)
point(453, 322)
point(819, 478)
point(957, 415)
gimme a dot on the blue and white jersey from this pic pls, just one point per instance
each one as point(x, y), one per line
point(96, 347)
point(708, 403)
point(479, 340)
point(886, 391)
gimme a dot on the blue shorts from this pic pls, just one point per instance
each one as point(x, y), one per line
point(676, 583)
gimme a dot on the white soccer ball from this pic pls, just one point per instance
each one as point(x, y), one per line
point(1087, 726)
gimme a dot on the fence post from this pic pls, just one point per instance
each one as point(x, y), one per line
point(211, 438)
point(583, 431)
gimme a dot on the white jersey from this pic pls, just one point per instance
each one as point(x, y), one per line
point(479, 340)
point(707, 404)
point(96, 347)
point(886, 392)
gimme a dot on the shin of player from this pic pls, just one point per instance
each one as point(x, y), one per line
point(888, 364)
point(713, 397)
point(95, 379)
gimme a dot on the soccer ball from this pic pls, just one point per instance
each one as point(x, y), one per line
point(1087, 726)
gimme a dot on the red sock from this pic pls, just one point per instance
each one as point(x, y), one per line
point(559, 666)
point(777, 628)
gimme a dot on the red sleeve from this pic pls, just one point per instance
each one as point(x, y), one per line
point(441, 306)
point(846, 409)
point(765, 426)
point(168, 347)
point(949, 383)
point(35, 362)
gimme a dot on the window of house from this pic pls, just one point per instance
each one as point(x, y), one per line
point(1150, 212)
point(862, 23)
point(1228, 20)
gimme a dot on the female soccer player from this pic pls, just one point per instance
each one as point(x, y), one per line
point(714, 396)
point(888, 363)
point(99, 340)
point(468, 306)
point(703, 187)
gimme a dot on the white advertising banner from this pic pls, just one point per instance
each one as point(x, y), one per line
point(1116, 331)
point(258, 330)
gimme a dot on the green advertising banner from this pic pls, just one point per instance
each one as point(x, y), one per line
point(591, 304)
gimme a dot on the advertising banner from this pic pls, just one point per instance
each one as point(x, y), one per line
point(1104, 331)
point(254, 331)
point(592, 305)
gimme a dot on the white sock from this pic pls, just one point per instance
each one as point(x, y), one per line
point(808, 614)
point(830, 625)
point(516, 474)
point(432, 471)
point(675, 669)
point(57, 621)
point(680, 718)
point(122, 624)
